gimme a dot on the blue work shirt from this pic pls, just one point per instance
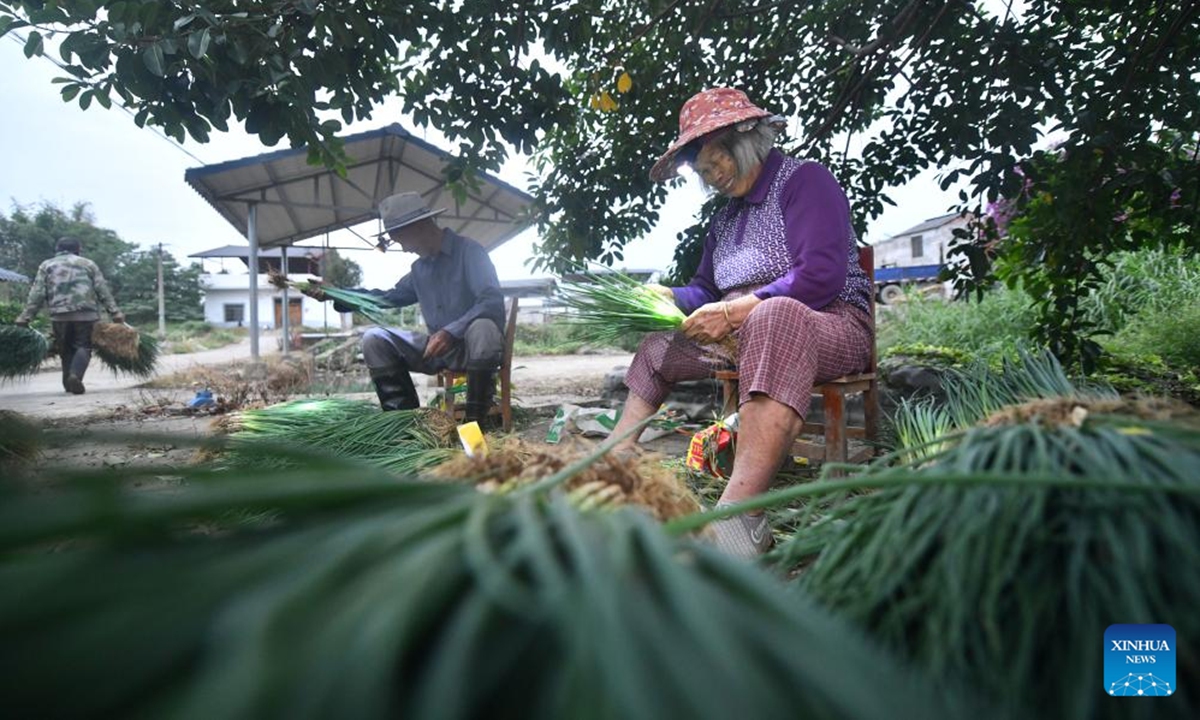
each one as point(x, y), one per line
point(454, 288)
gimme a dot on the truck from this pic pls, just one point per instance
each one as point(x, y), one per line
point(890, 281)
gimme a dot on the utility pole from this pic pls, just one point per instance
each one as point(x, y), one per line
point(162, 302)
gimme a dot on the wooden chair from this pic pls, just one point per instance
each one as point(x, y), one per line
point(445, 378)
point(836, 431)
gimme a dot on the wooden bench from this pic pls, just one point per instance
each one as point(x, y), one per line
point(835, 429)
point(446, 378)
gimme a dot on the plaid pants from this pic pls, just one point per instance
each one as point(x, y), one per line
point(784, 349)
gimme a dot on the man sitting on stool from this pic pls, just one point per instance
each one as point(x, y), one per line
point(454, 282)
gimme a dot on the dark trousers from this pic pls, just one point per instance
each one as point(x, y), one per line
point(482, 348)
point(74, 338)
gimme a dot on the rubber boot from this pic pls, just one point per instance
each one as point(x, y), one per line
point(80, 361)
point(481, 392)
point(79, 365)
point(394, 387)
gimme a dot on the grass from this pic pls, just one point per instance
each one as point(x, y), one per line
point(194, 336)
point(1147, 310)
point(1148, 306)
point(1150, 375)
point(1153, 282)
point(988, 330)
point(562, 337)
point(1166, 333)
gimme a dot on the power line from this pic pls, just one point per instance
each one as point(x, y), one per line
point(170, 141)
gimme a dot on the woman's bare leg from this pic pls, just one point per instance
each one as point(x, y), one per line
point(636, 410)
point(766, 430)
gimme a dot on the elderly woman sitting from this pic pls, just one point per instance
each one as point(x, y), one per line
point(779, 272)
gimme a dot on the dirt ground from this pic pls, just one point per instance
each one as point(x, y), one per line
point(121, 422)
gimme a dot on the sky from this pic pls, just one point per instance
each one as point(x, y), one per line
point(133, 179)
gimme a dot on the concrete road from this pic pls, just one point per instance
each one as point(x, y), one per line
point(43, 396)
point(537, 380)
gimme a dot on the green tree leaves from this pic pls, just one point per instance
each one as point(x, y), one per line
point(878, 92)
point(33, 44)
point(155, 59)
point(339, 271)
point(198, 43)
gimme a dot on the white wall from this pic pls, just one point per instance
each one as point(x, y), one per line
point(897, 251)
point(222, 290)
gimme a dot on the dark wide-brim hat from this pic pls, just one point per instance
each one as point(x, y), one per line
point(703, 113)
point(397, 211)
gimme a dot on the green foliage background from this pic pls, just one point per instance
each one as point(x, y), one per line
point(28, 235)
point(340, 271)
point(1146, 310)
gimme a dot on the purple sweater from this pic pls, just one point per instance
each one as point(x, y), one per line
point(791, 234)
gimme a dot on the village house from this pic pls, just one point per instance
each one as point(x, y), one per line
point(226, 289)
point(927, 243)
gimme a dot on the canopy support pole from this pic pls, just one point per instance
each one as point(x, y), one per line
point(252, 239)
point(287, 308)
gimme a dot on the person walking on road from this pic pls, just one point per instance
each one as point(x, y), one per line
point(73, 290)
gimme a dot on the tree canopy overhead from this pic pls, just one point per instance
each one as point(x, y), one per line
point(592, 90)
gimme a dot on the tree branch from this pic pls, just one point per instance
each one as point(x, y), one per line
point(647, 27)
point(856, 50)
point(766, 7)
point(704, 16)
point(899, 25)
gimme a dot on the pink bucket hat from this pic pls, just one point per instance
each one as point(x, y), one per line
point(705, 112)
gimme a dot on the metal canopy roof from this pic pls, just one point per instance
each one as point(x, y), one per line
point(243, 252)
point(10, 276)
point(296, 201)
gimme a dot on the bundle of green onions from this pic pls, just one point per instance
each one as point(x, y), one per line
point(452, 604)
point(996, 552)
point(22, 351)
point(403, 441)
point(610, 306)
point(20, 440)
point(141, 366)
point(367, 304)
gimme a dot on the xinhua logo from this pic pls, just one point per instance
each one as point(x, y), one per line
point(1139, 660)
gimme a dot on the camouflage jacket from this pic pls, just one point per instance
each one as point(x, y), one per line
point(68, 283)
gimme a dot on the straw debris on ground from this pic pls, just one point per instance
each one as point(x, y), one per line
point(610, 481)
point(1074, 411)
point(236, 388)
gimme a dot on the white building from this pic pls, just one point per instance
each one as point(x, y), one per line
point(924, 244)
point(227, 290)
